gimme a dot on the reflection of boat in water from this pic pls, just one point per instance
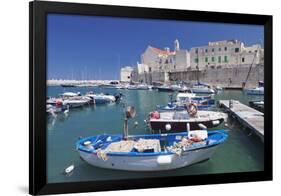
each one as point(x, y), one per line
point(176, 120)
point(257, 90)
point(151, 152)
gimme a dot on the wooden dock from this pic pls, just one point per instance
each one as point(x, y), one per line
point(249, 117)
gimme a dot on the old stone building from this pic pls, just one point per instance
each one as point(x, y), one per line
point(224, 54)
point(165, 60)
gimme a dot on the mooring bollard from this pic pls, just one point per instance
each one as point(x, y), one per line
point(230, 103)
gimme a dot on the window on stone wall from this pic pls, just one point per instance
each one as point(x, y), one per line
point(213, 49)
point(149, 69)
point(175, 67)
point(206, 59)
point(206, 50)
point(219, 49)
point(196, 60)
point(236, 50)
point(219, 59)
point(166, 61)
point(196, 50)
point(160, 61)
point(225, 48)
point(243, 60)
point(225, 59)
point(213, 59)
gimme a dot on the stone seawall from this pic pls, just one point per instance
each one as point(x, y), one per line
point(231, 77)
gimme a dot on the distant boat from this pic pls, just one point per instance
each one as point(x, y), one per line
point(67, 85)
point(177, 120)
point(132, 87)
point(73, 100)
point(257, 90)
point(142, 87)
point(187, 97)
point(165, 88)
point(201, 88)
point(152, 152)
point(101, 98)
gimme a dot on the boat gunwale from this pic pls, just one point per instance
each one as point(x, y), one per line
point(138, 154)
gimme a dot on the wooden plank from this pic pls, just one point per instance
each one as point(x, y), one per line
point(246, 115)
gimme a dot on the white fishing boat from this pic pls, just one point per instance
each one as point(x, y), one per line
point(75, 103)
point(142, 87)
point(151, 152)
point(202, 89)
point(176, 87)
point(259, 90)
point(165, 88)
point(132, 87)
point(101, 98)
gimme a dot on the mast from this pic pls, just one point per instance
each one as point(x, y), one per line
point(198, 66)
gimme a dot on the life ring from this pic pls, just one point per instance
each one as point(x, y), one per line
point(192, 109)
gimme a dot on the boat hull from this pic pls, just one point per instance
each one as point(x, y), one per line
point(165, 89)
point(180, 125)
point(254, 92)
point(149, 163)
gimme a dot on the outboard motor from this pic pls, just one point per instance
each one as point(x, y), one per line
point(118, 96)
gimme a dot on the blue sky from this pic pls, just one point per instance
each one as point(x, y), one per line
point(93, 47)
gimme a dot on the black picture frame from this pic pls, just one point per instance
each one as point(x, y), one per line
point(37, 96)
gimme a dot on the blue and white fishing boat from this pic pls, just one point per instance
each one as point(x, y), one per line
point(151, 152)
point(257, 90)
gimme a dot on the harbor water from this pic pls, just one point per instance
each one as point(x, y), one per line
point(242, 152)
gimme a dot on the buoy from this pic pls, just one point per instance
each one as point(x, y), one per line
point(164, 160)
point(216, 122)
point(69, 169)
point(136, 124)
point(202, 126)
point(168, 127)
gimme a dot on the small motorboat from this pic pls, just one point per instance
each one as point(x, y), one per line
point(151, 152)
point(132, 87)
point(101, 98)
point(75, 103)
point(187, 97)
point(176, 120)
point(257, 90)
point(67, 85)
point(201, 105)
point(142, 87)
point(201, 88)
point(165, 88)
